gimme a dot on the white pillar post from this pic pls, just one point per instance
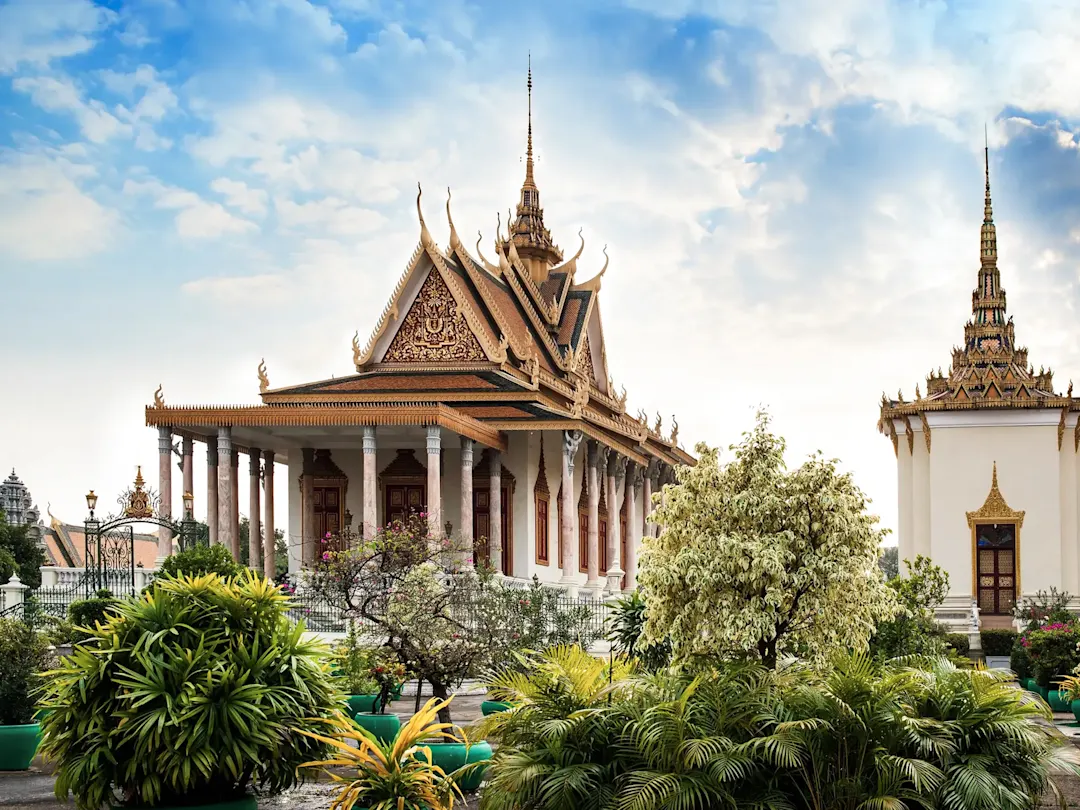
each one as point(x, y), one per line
point(648, 486)
point(188, 474)
point(495, 540)
point(616, 474)
point(434, 482)
point(308, 539)
point(13, 593)
point(571, 440)
point(165, 536)
point(234, 513)
point(467, 539)
point(634, 476)
point(593, 564)
point(225, 488)
point(371, 488)
point(269, 541)
point(254, 521)
point(212, 491)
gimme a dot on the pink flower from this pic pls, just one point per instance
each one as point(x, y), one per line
point(326, 556)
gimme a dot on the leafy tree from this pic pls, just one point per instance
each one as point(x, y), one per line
point(20, 554)
point(890, 562)
point(755, 560)
point(281, 553)
point(200, 560)
point(913, 630)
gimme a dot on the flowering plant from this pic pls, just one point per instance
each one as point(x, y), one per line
point(1054, 652)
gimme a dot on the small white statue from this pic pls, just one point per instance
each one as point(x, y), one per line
point(974, 615)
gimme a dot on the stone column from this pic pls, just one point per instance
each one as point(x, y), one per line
point(254, 530)
point(571, 440)
point(371, 487)
point(434, 482)
point(234, 511)
point(616, 474)
point(188, 474)
point(634, 477)
point(592, 566)
point(225, 488)
point(269, 541)
point(649, 485)
point(212, 491)
point(308, 540)
point(466, 528)
point(164, 544)
point(495, 512)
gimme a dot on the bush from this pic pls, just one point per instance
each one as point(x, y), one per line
point(861, 735)
point(959, 642)
point(913, 631)
point(1046, 607)
point(24, 654)
point(352, 665)
point(201, 560)
point(1020, 659)
point(997, 642)
point(625, 626)
point(86, 614)
point(190, 696)
point(1053, 651)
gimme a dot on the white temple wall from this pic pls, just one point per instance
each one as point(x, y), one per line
point(1029, 471)
point(905, 516)
point(1067, 507)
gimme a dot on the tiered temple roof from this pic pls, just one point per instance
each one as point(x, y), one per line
point(476, 347)
point(989, 370)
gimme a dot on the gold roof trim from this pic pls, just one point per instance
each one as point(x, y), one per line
point(593, 284)
point(389, 311)
point(994, 508)
point(327, 415)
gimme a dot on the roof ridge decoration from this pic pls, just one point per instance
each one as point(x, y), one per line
point(989, 369)
point(484, 262)
point(264, 381)
point(995, 508)
point(159, 400)
point(593, 284)
point(538, 324)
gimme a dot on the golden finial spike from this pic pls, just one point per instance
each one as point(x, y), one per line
point(529, 146)
point(498, 227)
point(264, 381)
point(425, 235)
point(455, 242)
point(487, 265)
point(356, 349)
point(159, 400)
point(993, 482)
point(139, 481)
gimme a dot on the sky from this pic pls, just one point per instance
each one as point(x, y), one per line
point(790, 193)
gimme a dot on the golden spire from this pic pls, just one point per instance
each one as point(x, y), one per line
point(455, 242)
point(989, 232)
point(425, 235)
point(528, 148)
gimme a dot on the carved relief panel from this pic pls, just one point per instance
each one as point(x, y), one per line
point(434, 329)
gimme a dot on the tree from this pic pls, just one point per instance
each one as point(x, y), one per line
point(444, 622)
point(913, 630)
point(281, 553)
point(20, 553)
point(890, 562)
point(755, 560)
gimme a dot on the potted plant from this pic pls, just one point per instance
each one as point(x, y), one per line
point(1069, 689)
point(352, 667)
point(24, 654)
point(387, 672)
point(1053, 652)
point(189, 697)
point(398, 774)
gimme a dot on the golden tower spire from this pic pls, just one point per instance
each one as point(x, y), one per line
point(529, 181)
point(989, 232)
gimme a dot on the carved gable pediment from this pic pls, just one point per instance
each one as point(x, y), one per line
point(434, 329)
point(994, 508)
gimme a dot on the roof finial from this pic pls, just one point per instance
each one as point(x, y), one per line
point(988, 252)
point(529, 147)
point(425, 235)
point(455, 242)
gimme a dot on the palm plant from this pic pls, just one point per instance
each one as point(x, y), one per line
point(187, 694)
point(397, 775)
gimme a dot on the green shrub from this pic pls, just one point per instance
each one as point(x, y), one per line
point(1053, 651)
point(201, 560)
point(959, 642)
point(1020, 659)
point(194, 694)
point(625, 625)
point(86, 614)
point(24, 655)
point(997, 642)
point(860, 735)
point(352, 665)
point(913, 631)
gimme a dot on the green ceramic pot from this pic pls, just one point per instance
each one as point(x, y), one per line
point(361, 703)
point(493, 707)
point(245, 803)
point(1042, 690)
point(1029, 684)
point(42, 714)
point(18, 744)
point(1075, 707)
point(451, 756)
point(1057, 703)
point(383, 726)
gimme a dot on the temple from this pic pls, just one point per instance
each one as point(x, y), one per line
point(482, 397)
point(987, 463)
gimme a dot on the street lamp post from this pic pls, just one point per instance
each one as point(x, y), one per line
point(91, 545)
point(188, 528)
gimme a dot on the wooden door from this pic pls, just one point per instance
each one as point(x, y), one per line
point(605, 563)
point(327, 512)
point(482, 527)
point(403, 500)
point(996, 549)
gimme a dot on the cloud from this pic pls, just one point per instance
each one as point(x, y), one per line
point(44, 214)
point(331, 214)
point(196, 218)
point(35, 33)
point(239, 195)
point(60, 95)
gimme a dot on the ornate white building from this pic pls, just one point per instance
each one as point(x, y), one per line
point(987, 464)
point(18, 507)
